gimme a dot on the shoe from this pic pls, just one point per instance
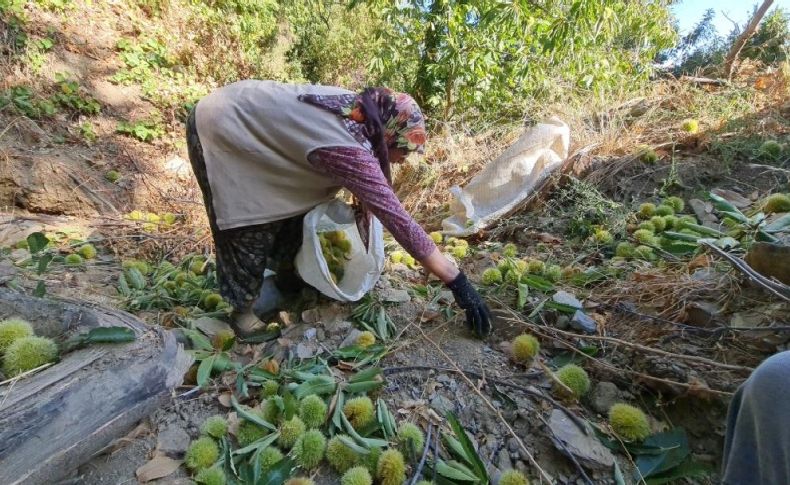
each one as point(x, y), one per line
point(246, 323)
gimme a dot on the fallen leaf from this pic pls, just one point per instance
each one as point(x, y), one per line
point(734, 198)
point(285, 318)
point(547, 238)
point(701, 261)
point(224, 399)
point(159, 466)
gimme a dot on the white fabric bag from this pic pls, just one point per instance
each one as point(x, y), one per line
point(365, 265)
point(509, 179)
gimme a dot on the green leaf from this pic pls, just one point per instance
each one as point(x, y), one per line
point(36, 242)
point(198, 339)
point(245, 414)
point(474, 460)
point(779, 225)
point(537, 282)
point(43, 262)
point(447, 471)
point(346, 440)
point(40, 290)
point(523, 292)
point(320, 385)
point(258, 445)
point(708, 231)
point(363, 387)
point(290, 404)
point(135, 278)
point(279, 473)
point(204, 370)
point(687, 469)
point(561, 307)
point(110, 335)
point(723, 205)
point(366, 442)
point(366, 375)
point(676, 448)
point(679, 236)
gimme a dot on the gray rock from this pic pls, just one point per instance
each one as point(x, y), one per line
point(173, 441)
point(310, 333)
point(583, 323)
point(351, 337)
point(590, 452)
point(311, 315)
point(703, 211)
point(563, 322)
point(394, 295)
point(442, 405)
point(444, 379)
point(503, 461)
point(702, 313)
point(603, 396)
point(20, 254)
point(7, 271)
point(446, 296)
point(337, 328)
point(566, 299)
point(512, 445)
point(306, 350)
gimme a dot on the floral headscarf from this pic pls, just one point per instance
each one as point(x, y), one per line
point(404, 125)
point(402, 120)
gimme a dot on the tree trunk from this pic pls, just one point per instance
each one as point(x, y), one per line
point(53, 421)
point(751, 28)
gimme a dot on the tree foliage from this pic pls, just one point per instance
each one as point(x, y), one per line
point(487, 57)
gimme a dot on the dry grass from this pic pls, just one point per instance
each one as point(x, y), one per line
point(652, 118)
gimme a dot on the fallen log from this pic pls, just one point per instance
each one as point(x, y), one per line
point(56, 419)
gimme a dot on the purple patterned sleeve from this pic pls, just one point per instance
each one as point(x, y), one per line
point(358, 170)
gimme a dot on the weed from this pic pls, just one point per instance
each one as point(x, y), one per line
point(146, 131)
point(69, 97)
point(22, 100)
point(88, 133)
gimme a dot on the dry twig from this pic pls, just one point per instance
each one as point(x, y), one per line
point(779, 290)
point(543, 474)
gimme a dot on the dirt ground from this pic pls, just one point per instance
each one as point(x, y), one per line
point(676, 339)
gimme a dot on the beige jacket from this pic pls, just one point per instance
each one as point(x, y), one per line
point(256, 136)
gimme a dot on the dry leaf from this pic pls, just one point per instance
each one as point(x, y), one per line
point(160, 466)
point(224, 399)
point(701, 261)
point(547, 238)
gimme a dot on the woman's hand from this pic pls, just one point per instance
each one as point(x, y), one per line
point(478, 316)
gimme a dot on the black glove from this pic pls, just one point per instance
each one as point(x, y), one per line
point(478, 317)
